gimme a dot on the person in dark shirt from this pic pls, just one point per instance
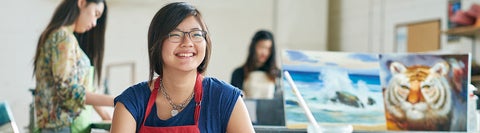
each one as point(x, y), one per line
point(257, 77)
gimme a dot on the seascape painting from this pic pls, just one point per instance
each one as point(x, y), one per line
point(425, 92)
point(338, 87)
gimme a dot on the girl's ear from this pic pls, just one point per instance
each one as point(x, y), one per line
point(81, 3)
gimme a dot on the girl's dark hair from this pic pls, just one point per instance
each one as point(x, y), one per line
point(165, 21)
point(270, 65)
point(92, 42)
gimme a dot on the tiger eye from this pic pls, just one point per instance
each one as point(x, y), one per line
point(426, 86)
point(405, 87)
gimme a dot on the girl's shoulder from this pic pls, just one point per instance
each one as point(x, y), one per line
point(137, 91)
point(141, 87)
point(212, 81)
point(218, 86)
point(63, 31)
point(63, 35)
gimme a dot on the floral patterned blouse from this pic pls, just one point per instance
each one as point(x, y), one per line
point(61, 79)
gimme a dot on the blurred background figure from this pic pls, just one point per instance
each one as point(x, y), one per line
point(68, 53)
point(259, 80)
point(257, 77)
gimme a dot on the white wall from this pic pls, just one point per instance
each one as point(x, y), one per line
point(21, 24)
point(400, 12)
point(302, 24)
point(349, 23)
point(296, 25)
point(369, 25)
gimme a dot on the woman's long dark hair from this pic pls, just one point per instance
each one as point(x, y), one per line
point(92, 42)
point(164, 22)
point(270, 65)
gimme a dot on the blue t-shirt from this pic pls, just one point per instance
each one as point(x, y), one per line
point(218, 101)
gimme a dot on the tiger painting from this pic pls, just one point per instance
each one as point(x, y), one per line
point(418, 97)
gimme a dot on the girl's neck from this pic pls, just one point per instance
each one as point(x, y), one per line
point(178, 84)
point(71, 27)
point(258, 64)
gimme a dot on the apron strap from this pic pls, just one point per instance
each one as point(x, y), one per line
point(198, 98)
point(151, 100)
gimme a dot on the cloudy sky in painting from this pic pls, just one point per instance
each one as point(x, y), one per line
point(314, 61)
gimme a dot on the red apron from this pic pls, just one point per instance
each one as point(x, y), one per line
point(174, 129)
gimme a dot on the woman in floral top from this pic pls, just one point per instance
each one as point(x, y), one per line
point(62, 67)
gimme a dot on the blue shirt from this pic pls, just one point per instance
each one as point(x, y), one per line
point(218, 101)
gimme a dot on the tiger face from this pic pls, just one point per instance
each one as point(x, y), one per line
point(419, 97)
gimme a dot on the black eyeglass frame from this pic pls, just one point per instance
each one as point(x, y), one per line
point(189, 33)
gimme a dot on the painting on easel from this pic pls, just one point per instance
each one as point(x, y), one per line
point(338, 87)
point(425, 92)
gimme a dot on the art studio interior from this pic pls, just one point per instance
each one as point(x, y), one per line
point(349, 60)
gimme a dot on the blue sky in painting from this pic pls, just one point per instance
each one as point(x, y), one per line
point(317, 62)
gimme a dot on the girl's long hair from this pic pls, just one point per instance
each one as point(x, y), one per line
point(92, 42)
point(270, 65)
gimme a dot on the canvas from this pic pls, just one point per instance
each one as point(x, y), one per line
point(339, 88)
point(425, 92)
